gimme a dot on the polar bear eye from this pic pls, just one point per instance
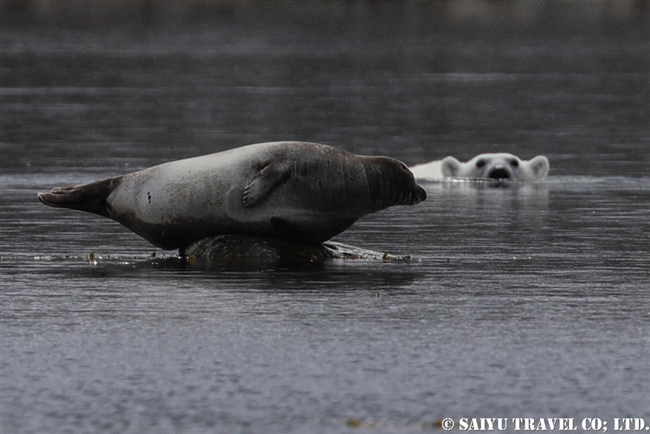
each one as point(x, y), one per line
point(514, 163)
point(480, 163)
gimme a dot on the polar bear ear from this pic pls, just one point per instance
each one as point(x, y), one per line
point(539, 166)
point(450, 167)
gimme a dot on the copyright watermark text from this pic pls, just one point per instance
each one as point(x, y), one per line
point(588, 424)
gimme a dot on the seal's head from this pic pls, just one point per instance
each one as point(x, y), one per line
point(391, 183)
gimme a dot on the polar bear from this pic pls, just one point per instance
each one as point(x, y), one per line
point(500, 166)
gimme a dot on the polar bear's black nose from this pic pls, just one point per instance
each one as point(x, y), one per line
point(499, 173)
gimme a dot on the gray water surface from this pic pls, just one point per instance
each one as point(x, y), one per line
point(530, 300)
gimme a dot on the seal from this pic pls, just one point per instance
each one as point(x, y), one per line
point(303, 192)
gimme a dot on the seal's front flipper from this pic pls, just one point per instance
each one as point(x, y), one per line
point(265, 180)
point(88, 197)
point(294, 231)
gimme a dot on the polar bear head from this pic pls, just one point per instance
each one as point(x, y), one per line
point(501, 166)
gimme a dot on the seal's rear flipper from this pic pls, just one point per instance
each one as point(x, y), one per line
point(88, 197)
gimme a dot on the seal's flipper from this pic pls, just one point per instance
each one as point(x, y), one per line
point(265, 180)
point(88, 197)
point(294, 231)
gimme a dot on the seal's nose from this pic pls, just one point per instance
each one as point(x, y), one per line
point(420, 195)
point(499, 172)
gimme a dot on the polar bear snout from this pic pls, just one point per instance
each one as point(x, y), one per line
point(499, 172)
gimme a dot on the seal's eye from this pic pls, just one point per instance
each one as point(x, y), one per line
point(514, 163)
point(480, 163)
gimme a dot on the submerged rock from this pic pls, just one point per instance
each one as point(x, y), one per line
point(242, 247)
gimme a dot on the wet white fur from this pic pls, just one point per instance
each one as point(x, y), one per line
point(532, 170)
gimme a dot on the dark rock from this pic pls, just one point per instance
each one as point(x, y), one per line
point(247, 247)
